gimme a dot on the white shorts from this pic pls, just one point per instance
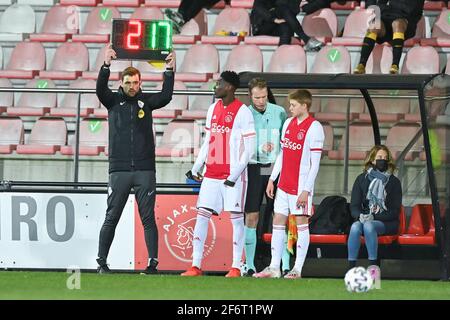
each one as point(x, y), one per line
point(218, 197)
point(286, 203)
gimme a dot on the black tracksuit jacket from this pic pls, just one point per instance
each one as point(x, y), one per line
point(131, 142)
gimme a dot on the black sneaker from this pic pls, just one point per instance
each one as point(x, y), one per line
point(285, 272)
point(102, 266)
point(250, 273)
point(151, 269)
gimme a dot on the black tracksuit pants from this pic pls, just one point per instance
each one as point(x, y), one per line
point(119, 187)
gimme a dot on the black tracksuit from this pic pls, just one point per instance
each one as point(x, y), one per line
point(131, 156)
point(360, 205)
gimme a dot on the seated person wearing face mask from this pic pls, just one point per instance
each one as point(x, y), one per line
point(375, 204)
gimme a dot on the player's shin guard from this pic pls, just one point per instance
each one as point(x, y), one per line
point(200, 234)
point(302, 246)
point(250, 247)
point(237, 220)
point(277, 245)
point(397, 47)
point(367, 47)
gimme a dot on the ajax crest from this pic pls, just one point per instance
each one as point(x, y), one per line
point(179, 233)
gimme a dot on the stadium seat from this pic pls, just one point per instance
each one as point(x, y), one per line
point(288, 59)
point(10, 30)
point(332, 59)
point(348, 5)
point(200, 62)
point(441, 27)
point(246, 4)
point(329, 138)
point(162, 3)
point(148, 71)
point(147, 13)
point(335, 108)
point(60, 23)
point(32, 103)
point(421, 230)
point(116, 67)
point(192, 30)
point(321, 24)
point(199, 107)
point(389, 239)
point(421, 60)
point(122, 3)
point(84, 3)
point(47, 137)
point(93, 138)
point(175, 106)
point(69, 104)
point(400, 135)
point(388, 109)
point(6, 98)
point(98, 25)
point(235, 20)
point(11, 134)
point(358, 148)
point(179, 139)
point(380, 60)
point(244, 58)
point(69, 61)
point(26, 61)
point(354, 29)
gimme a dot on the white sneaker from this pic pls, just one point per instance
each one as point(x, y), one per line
point(268, 272)
point(293, 274)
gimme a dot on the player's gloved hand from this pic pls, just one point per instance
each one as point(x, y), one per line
point(229, 183)
point(191, 176)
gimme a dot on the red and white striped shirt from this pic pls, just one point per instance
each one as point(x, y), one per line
point(298, 163)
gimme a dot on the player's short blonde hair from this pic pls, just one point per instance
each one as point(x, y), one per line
point(302, 96)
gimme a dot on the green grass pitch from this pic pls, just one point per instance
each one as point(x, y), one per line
point(54, 285)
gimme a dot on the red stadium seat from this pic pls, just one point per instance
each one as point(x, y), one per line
point(6, 98)
point(199, 107)
point(234, 20)
point(34, 104)
point(400, 135)
point(192, 31)
point(354, 29)
point(68, 106)
point(147, 13)
point(47, 137)
point(11, 134)
point(321, 24)
point(388, 110)
point(179, 139)
point(84, 3)
point(98, 25)
point(26, 60)
point(200, 62)
point(174, 108)
point(380, 60)
point(329, 138)
point(148, 71)
point(332, 59)
point(10, 30)
point(335, 108)
point(69, 61)
point(348, 5)
point(358, 147)
point(60, 23)
point(122, 3)
point(421, 60)
point(441, 27)
point(421, 230)
point(244, 58)
point(288, 59)
point(116, 67)
point(93, 138)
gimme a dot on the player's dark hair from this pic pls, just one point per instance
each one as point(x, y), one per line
point(130, 71)
point(231, 77)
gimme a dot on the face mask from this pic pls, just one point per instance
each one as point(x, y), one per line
point(381, 165)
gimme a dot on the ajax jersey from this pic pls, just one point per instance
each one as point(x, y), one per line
point(298, 141)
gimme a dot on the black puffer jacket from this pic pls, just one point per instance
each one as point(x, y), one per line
point(131, 142)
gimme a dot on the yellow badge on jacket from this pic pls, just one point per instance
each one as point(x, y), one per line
point(141, 114)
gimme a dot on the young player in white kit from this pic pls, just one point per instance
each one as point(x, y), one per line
point(297, 164)
point(226, 151)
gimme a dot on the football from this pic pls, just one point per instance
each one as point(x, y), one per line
point(358, 279)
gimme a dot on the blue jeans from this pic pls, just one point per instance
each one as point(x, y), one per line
point(370, 230)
